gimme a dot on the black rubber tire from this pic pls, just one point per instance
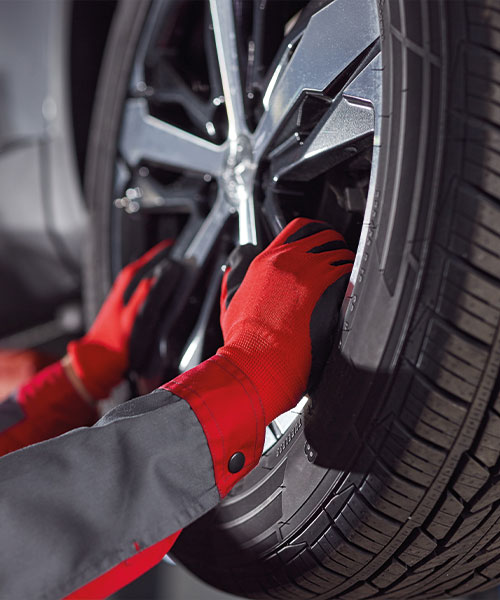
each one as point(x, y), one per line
point(396, 492)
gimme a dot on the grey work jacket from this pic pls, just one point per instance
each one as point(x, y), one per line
point(74, 506)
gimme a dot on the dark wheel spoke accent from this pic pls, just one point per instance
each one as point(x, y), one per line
point(212, 60)
point(260, 13)
point(193, 352)
point(255, 70)
point(272, 20)
point(187, 235)
point(272, 211)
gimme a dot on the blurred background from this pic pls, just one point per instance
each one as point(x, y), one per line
point(50, 55)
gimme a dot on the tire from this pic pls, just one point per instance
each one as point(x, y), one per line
point(390, 486)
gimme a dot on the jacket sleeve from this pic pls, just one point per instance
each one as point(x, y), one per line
point(73, 508)
point(44, 407)
point(94, 508)
point(230, 413)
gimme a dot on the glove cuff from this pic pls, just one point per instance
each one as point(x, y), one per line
point(279, 387)
point(95, 366)
point(231, 414)
point(45, 406)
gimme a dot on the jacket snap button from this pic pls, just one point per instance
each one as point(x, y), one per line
point(236, 462)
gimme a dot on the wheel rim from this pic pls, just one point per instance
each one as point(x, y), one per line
point(228, 153)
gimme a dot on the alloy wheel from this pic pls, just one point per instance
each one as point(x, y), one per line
point(241, 116)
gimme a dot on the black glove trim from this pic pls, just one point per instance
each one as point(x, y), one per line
point(335, 245)
point(239, 261)
point(324, 326)
point(306, 231)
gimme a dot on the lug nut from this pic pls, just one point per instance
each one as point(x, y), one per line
point(130, 203)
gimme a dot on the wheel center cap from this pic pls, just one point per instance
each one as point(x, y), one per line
point(239, 174)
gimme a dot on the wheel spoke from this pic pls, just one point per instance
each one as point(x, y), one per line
point(247, 230)
point(340, 134)
point(346, 124)
point(227, 53)
point(345, 129)
point(335, 37)
point(208, 234)
point(367, 86)
point(147, 138)
point(156, 16)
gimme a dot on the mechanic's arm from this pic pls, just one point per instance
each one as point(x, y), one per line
point(64, 395)
point(76, 507)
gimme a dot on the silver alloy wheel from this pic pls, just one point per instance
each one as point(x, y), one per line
point(329, 58)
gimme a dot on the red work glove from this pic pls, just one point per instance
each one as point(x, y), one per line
point(279, 326)
point(278, 330)
point(101, 358)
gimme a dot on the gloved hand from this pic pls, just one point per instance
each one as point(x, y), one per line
point(279, 326)
point(278, 329)
point(101, 357)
